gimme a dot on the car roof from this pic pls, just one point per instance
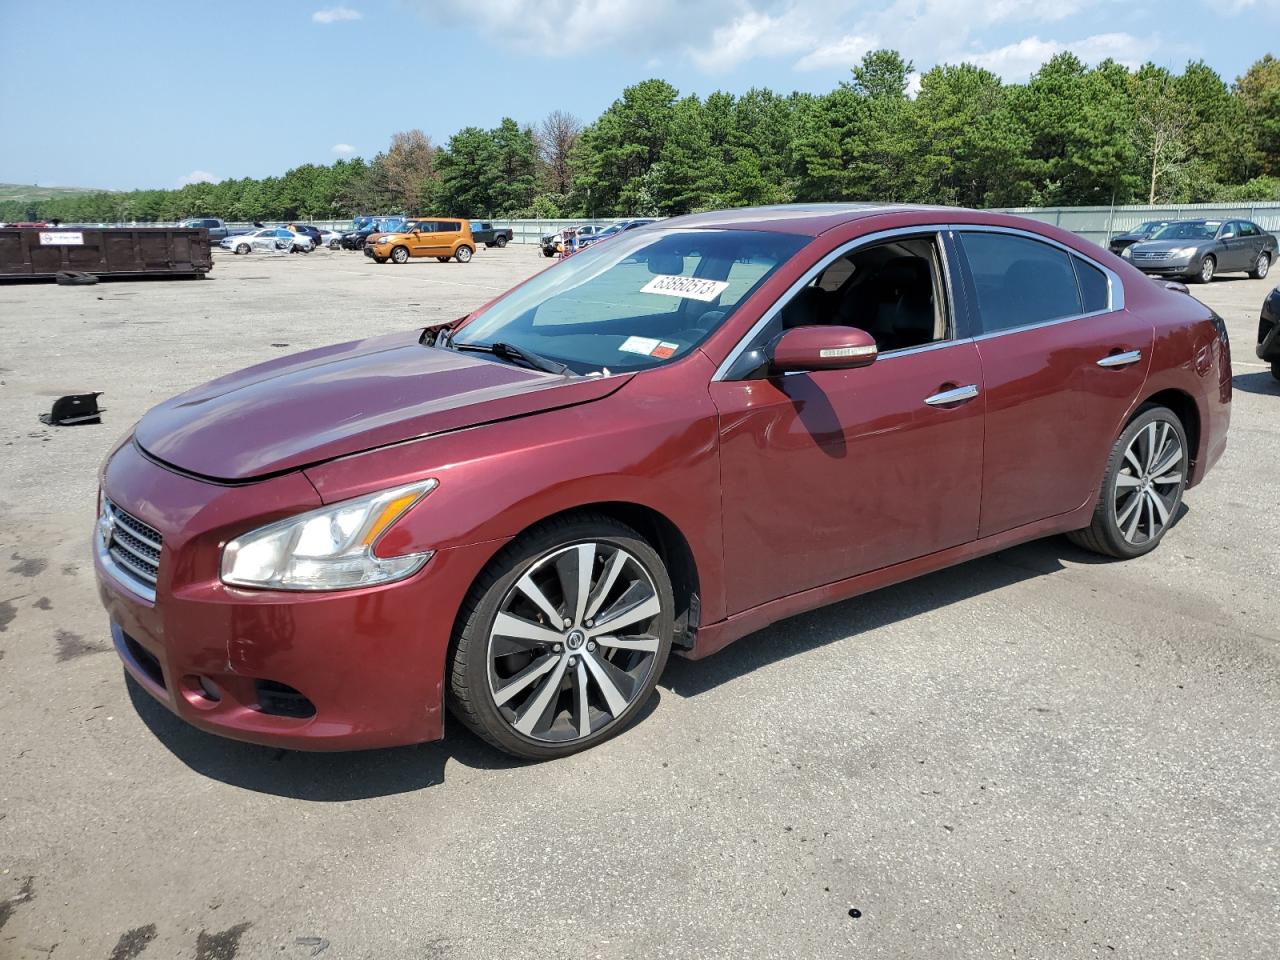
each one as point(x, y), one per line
point(804, 218)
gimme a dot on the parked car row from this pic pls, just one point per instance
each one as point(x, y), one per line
point(1198, 249)
point(571, 239)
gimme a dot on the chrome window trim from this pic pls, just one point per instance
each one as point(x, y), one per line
point(933, 230)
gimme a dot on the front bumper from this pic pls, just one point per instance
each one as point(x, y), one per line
point(367, 666)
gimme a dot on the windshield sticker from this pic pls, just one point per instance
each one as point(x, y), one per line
point(692, 288)
point(648, 347)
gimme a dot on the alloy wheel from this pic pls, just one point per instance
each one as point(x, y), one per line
point(1206, 270)
point(574, 642)
point(1262, 266)
point(1148, 483)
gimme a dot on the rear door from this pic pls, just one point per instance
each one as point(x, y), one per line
point(1062, 364)
point(1235, 248)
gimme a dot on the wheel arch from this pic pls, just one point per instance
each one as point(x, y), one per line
point(661, 533)
point(1185, 409)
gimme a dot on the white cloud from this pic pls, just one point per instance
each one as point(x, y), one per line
point(749, 36)
point(845, 52)
point(335, 15)
point(343, 149)
point(199, 176)
point(830, 35)
point(1017, 61)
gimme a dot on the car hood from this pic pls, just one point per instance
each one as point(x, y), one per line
point(310, 407)
point(1164, 246)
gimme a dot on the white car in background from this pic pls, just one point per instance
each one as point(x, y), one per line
point(268, 239)
point(331, 239)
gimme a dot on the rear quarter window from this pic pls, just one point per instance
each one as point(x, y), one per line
point(1095, 288)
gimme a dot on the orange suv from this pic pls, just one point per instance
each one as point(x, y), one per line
point(442, 239)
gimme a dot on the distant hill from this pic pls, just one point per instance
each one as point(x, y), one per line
point(28, 191)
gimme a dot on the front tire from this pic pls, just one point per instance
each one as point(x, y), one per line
point(1141, 488)
point(1207, 269)
point(1275, 369)
point(400, 255)
point(1260, 267)
point(548, 253)
point(379, 259)
point(242, 248)
point(562, 638)
point(463, 254)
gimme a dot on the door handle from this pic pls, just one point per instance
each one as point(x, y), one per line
point(955, 395)
point(1121, 359)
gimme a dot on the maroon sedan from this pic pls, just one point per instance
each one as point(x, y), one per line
point(665, 442)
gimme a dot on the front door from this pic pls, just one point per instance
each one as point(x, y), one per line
point(834, 473)
point(1062, 364)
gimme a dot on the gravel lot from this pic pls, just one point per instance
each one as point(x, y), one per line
point(1036, 754)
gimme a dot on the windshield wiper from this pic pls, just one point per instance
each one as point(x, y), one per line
point(509, 351)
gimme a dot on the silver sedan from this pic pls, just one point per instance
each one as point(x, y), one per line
point(1201, 249)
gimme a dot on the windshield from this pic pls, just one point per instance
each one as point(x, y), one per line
point(1191, 230)
point(646, 298)
point(1149, 226)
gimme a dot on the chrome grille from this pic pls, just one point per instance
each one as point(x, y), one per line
point(1151, 255)
point(133, 545)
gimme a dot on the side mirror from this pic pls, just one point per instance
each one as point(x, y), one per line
point(822, 348)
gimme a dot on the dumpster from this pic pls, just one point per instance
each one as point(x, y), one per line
point(104, 251)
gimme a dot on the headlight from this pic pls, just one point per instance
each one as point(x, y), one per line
point(326, 549)
point(1184, 252)
point(1126, 252)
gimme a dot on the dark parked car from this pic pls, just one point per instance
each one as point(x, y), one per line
point(218, 229)
point(1142, 231)
point(622, 226)
point(365, 227)
point(483, 231)
point(1269, 332)
point(663, 444)
point(1201, 249)
point(308, 231)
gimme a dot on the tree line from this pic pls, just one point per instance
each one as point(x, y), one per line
point(1071, 135)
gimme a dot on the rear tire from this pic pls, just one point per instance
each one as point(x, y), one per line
point(539, 571)
point(1207, 269)
point(1260, 267)
point(500, 242)
point(1275, 369)
point(1142, 487)
point(443, 259)
point(463, 254)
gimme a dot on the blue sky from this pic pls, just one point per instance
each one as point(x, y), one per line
point(151, 94)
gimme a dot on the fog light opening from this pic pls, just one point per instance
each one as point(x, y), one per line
point(281, 700)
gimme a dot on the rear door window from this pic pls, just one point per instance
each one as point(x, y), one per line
point(1020, 281)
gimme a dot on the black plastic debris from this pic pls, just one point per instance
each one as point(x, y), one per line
point(74, 278)
point(74, 409)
